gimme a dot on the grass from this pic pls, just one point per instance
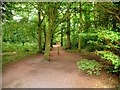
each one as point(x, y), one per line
point(83, 51)
point(72, 50)
point(16, 51)
point(11, 58)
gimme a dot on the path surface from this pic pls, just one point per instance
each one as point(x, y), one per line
point(60, 72)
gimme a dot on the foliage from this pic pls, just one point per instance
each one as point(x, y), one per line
point(13, 52)
point(74, 41)
point(111, 57)
point(18, 32)
point(19, 47)
point(102, 39)
point(90, 66)
point(106, 43)
point(13, 57)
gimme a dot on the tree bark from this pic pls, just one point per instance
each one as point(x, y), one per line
point(68, 31)
point(47, 45)
point(52, 36)
point(44, 35)
point(39, 32)
point(61, 36)
point(48, 35)
point(52, 25)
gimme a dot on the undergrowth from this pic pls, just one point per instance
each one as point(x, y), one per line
point(90, 66)
point(14, 52)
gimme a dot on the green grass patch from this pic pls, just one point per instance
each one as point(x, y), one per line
point(10, 58)
point(83, 51)
point(13, 52)
point(72, 51)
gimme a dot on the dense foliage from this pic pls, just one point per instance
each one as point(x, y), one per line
point(112, 58)
point(91, 66)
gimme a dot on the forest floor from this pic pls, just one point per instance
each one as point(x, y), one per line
point(60, 72)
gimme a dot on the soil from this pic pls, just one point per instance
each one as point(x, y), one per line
point(60, 72)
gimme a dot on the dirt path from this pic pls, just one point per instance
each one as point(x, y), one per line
point(60, 72)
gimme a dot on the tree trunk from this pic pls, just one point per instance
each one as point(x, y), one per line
point(68, 31)
point(61, 36)
point(39, 33)
point(44, 35)
point(68, 41)
point(52, 40)
point(52, 25)
point(80, 29)
point(47, 45)
point(48, 35)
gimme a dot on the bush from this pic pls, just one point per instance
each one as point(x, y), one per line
point(13, 52)
point(19, 47)
point(14, 57)
point(90, 66)
point(112, 58)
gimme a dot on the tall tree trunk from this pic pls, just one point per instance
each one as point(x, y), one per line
point(68, 31)
point(39, 33)
point(48, 35)
point(47, 45)
point(68, 41)
point(80, 29)
point(44, 35)
point(52, 25)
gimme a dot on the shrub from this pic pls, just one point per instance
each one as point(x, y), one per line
point(112, 58)
point(90, 66)
point(19, 47)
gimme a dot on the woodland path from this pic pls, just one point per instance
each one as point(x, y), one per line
point(60, 72)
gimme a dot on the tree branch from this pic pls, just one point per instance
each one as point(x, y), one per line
point(64, 17)
point(116, 15)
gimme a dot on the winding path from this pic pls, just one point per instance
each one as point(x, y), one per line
point(60, 72)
